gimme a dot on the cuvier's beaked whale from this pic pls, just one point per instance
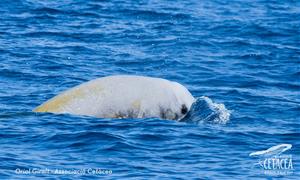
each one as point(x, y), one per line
point(123, 96)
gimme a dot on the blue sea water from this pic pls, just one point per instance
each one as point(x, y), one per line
point(240, 54)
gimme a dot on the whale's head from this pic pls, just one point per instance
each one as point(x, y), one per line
point(184, 100)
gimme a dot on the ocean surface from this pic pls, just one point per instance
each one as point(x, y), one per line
point(241, 59)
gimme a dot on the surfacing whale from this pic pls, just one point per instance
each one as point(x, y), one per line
point(123, 96)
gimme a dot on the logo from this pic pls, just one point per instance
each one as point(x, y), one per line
point(273, 162)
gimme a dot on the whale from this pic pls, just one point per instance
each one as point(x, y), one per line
point(123, 96)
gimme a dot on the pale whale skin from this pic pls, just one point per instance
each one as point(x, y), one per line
point(123, 96)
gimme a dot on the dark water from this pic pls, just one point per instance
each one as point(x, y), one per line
point(241, 54)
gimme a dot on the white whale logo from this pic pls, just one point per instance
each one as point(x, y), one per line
point(272, 151)
point(273, 162)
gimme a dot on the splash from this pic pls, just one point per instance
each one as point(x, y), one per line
point(204, 110)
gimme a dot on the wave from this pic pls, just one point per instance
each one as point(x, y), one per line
point(204, 110)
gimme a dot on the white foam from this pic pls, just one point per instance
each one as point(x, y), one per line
point(223, 113)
